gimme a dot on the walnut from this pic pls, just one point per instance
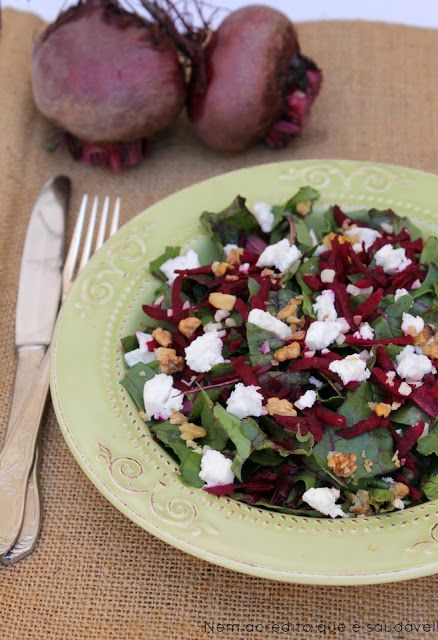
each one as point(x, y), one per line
point(343, 464)
point(163, 337)
point(382, 410)
point(298, 335)
point(190, 431)
point(188, 326)
point(168, 360)
point(399, 490)
point(224, 301)
point(143, 416)
point(233, 256)
point(220, 268)
point(280, 407)
point(328, 239)
point(303, 208)
point(290, 351)
point(288, 313)
point(396, 460)
point(368, 465)
point(177, 418)
point(267, 272)
point(231, 278)
point(361, 503)
point(423, 337)
point(431, 348)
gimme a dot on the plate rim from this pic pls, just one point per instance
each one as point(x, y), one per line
point(425, 569)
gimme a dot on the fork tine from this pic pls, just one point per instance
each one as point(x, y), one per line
point(86, 251)
point(102, 225)
point(72, 256)
point(116, 217)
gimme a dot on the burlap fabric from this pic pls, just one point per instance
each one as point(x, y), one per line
point(95, 575)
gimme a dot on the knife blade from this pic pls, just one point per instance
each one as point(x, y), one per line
point(39, 287)
point(37, 306)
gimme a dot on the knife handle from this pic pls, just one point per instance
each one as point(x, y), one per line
point(17, 457)
point(28, 363)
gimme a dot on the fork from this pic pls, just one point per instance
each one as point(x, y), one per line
point(26, 517)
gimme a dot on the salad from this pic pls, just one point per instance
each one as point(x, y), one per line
point(298, 370)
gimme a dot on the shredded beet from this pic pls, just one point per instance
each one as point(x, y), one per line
point(343, 301)
point(245, 371)
point(369, 305)
point(339, 216)
point(383, 359)
point(330, 418)
point(241, 308)
point(426, 400)
point(312, 281)
point(363, 426)
point(365, 342)
point(260, 300)
point(409, 438)
point(390, 385)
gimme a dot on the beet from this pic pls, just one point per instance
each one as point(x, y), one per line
point(109, 78)
point(259, 86)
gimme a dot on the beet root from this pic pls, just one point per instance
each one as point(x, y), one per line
point(259, 84)
point(110, 79)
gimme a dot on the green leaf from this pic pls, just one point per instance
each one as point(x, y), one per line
point(255, 338)
point(430, 251)
point(279, 299)
point(409, 414)
point(190, 468)
point(429, 444)
point(322, 223)
point(305, 194)
point(382, 500)
point(154, 265)
point(377, 446)
point(429, 283)
point(398, 222)
point(302, 444)
point(309, 267)
point(129, 343)
point(134, 380)
point(303, 234)
point(289, 379)
point(430, 487)
point(253, 287)
point(216, 436)
point(169, 435)
point(226, 226)
point(388, 325)
point(198, 400)
point(355, 407)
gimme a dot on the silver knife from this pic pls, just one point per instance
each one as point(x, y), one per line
point(37, 306)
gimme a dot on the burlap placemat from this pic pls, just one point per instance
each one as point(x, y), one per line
point(95, 575)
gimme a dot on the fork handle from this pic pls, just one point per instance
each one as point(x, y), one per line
point(17, 457)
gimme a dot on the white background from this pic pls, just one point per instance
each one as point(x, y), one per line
point(415, 12)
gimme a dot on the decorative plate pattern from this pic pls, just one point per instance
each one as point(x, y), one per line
point(114, 448)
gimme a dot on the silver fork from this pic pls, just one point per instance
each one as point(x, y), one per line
point(25, 525)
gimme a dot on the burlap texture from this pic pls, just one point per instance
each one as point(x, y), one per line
point(95, 575)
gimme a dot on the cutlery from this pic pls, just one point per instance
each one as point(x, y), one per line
point(17, 455)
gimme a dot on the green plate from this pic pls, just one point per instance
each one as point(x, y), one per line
point(113, 447)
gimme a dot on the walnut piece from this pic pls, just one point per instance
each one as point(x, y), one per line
point(219, 269)
point(430, 349)
point(168, 360)
point(280, 407)
point(290, 351)
point(382, 410)
point(177, 418)
point(423, 337)
point(361, 503)
point(368, 465)
point(289, 312)
point(224, 301)
point(162, 336)
point(399, 490)
point(233, 256)
point(342, 464)
point(188, 326)
point(190, 431)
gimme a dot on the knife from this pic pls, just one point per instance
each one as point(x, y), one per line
point(38, 299)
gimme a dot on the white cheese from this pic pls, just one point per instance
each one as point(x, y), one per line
point(268, 322)
point(404, 389)
point(216, 469)
point(425, 430)
point(262, 212)
point(365, 332)
point(324, 500)
point(350, 369)
point(212, 326)
point(324, 306)
point(161, 398)
point(411, 366)
point(391, 260)
point(357, 291)
point(220, 315)
point(366, 236)
point(412, 324)
point(306, 401)
point(313, 237)
point(416, 284)
point(387, 228)
point(142, 354)
point(244, 268)
point(399, 293)
point(204, 352)
point(316, 383)
point(189, 260)
point(321, 333)
point(399, 504)
point(320, 249)
point(328, 275)
point(280, 255)
point(245, 401)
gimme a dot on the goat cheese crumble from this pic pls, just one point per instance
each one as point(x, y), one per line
point(306, 401)
point(322, 333)
point(268, 322)
point(350, 369)
point(324, 501)
point(392, 260)
point(189, 260)
point(160, 398)
point(280, 255)
point(324, 306)
point(245, 401)
point(411, 366)
point(204, 352)
point(262, 212)
point(216, 469)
